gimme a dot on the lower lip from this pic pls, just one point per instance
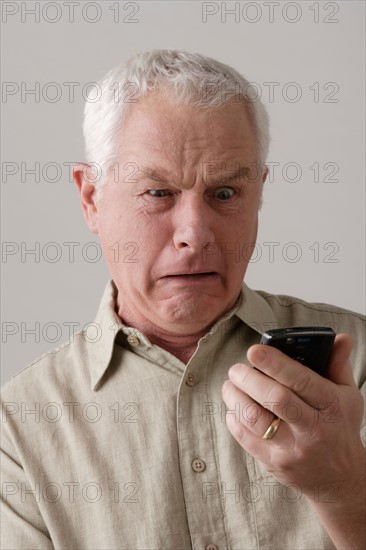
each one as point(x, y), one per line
point(192, 279)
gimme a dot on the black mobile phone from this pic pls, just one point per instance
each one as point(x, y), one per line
point(310, 346)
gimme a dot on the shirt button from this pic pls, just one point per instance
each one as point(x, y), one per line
point(211, 547)
point(190, 380)
point(198, 465)
point(133, 340)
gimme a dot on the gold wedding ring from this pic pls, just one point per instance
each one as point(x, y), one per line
point(272, 429)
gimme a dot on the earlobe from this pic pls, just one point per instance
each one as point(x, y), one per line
point(87, 193)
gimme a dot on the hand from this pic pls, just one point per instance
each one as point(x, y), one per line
point(317, 442)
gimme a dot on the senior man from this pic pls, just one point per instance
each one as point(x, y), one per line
point(150, 435)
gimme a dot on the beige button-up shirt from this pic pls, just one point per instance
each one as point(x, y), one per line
point(112, 442)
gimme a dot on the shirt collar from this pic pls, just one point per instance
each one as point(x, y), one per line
point(255, 311)
point(108, 324)
point(251, 308)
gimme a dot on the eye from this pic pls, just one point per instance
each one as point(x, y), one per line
point(224, 193)
point(158, 193)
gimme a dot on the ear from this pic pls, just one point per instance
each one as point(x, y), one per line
point(264, 177)
point(83, 179)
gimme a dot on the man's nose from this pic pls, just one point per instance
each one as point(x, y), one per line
point(192, 223)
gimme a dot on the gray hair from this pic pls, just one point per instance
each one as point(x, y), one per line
point(193, 79)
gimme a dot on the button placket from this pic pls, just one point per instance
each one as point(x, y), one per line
point(197, 433)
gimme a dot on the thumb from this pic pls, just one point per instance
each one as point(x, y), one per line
point(339, 367)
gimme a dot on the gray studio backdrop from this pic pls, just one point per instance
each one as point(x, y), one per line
point(306, 60)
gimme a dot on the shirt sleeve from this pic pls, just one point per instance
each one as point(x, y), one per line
point(22, 524)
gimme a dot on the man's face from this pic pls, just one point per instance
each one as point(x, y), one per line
point(176, 236)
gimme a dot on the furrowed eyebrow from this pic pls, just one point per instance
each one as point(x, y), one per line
point(227, 176)
point(240, 173)
point(152, 175)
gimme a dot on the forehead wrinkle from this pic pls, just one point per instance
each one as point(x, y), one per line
point(185, 166)
point(183, 146)
point(238, 172)
point(157, 175)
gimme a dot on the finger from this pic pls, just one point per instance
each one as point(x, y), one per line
point(310, 386)
point(271, 394)
point(253, 444)
point(339, 368)
point(241, 408)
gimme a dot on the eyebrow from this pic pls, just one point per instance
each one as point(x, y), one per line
point(154, 175)
point(237, 175)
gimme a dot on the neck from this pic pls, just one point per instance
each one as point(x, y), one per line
point(181, 346)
